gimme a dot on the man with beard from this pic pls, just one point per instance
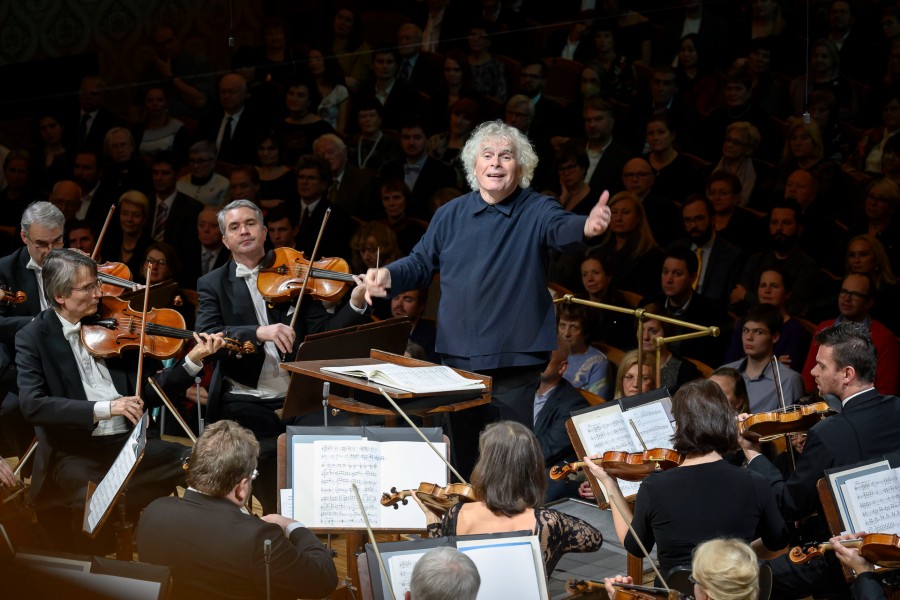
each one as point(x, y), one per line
point(719, 261)
point(784, 251)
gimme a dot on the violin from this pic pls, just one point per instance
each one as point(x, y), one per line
point(633, 466)
point(882, 549)
point(117, 326)
point(10, 297)
point(626, 591)
point(793, 419)
point(283, 271)
point(437, 498)
point(115, 278)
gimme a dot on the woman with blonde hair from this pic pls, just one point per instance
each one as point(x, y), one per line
point(628, 382)
point(629, 244)
point(866, 256)
point(740, 143)
point(131, 236)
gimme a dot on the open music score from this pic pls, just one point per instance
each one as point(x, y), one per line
point(868, 497)
point(418, 380)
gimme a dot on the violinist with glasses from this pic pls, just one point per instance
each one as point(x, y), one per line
point(251, 389)
point(705, 497)
point(867, 427)
point(83, 408)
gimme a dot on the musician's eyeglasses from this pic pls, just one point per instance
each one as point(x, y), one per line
point(89, 288)
point(156, 261)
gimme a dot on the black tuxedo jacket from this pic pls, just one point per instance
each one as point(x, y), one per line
point(550, 426)
point(15, 274)
point(867, 428)
point(52, 396)
point(216, 551)
point(244, 137)
point(181, 233)
point(226, 305)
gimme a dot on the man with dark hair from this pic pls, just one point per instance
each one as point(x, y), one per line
point(784, 251)
point(855, 301)
point(606, 156)
point(83, 407)
point(720, 262)
point(234, 125)
point(81, 235)
point(761, 331)
point(742, 228)
point(313, 180)
point(173, 216)
point(283, 225)
point(638, 178)
point(867, 427)
point(411, 304)
point(398, 98)
point(211, 545)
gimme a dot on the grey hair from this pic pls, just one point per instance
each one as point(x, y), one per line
point(44, 214)
point(444, 573)
point(234, 205)
point(107, 139)
point(330, 137)
point(60, 271)
point(498, 130)
point(203, 146)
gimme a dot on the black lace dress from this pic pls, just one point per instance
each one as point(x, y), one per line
point(557, 532)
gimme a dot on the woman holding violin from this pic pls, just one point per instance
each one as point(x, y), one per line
point(83, 407)
point(510, 480)
point(705, 497)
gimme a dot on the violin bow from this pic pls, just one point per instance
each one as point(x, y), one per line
point(312, 259)
point(780, 391)
point(362, 510)
point(421, 435)
point(165, 400)
point(140, 372)
point(100, 237)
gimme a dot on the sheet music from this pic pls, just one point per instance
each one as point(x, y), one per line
point(608, 431)
point(837, 480)
point(338, 465)
point(400, 570)
point(405, 466)
point(287, 503)
point(875, 500)
point(653, 423)
point(105, 493)
point(507, 569)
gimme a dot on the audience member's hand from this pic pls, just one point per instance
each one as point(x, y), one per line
point(7, 477)
point(377, 282)
point(281, 334)
point(609, 581)
point(586, 491)
point(738, 293)
point(850, 556)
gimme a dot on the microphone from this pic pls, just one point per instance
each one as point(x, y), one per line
point(806, 117)
point(267, 553)
point(232, 41)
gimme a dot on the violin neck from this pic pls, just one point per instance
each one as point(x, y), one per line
point(113, 280)
point(333, 275)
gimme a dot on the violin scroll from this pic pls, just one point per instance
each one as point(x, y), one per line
point(10, 297)
point(395, 498)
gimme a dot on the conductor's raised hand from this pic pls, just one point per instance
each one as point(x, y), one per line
point(598, 220)
point(279, 333)
point(130, 407)
point(207, 345)
point(377, 282)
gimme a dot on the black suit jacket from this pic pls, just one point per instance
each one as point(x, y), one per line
point(181, 233)
point(244, 137)
point(550, 426)
point(226, 305)
point(434, 176)
point(724, 265)
point(867, 428)
point(103, 121)
point(335, 241)
point(701, 311)
point(608, 174)
point(15, 274)
point(216, 551)
point(356, 193)
point(52, 396)
point(425, 74)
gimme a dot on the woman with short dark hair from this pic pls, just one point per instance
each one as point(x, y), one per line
point(510, 480)
point(705, 497)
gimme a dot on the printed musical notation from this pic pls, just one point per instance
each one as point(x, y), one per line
point(337, 466)
point(875, 502)
point(400, 568)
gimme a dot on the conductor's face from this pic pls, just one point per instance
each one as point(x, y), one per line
point(244, 233)
point(496, 170)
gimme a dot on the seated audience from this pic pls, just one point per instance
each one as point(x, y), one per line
point(587, 367)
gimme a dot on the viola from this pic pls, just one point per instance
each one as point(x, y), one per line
point(437, 498)
point(882, 549)
point(10, 297)
point(117, 326)
point(793, 419)
point(115, 278)
point(283, 271)
point(633, 466)
point(625, 591)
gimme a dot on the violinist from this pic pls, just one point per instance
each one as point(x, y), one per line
point(214, 549)
point(867, 585)
point(705, 497)
point(867, 427)
point(42, 230)
point(249, 390)
point(510, 482)
point(83, 408)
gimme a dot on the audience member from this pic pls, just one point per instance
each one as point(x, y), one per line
point(630, 245)
point(674, 371)
point(588, 368)
point(638, 178)
point(158, 130)
point(302, 125)
point(395, 197)
point(188, 77)
point(202, 183)
point(277, 182)
point(352, 189)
